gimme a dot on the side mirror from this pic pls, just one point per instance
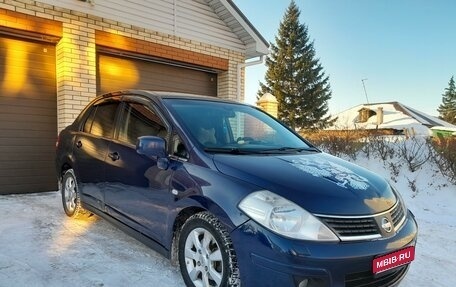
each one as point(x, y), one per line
point(151, 146)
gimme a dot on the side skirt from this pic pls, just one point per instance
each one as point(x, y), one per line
point(130, 231)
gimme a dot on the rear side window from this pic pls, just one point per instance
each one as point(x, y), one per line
point(139, 120)
point(100, 121)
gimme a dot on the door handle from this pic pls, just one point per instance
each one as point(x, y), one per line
point(114, 156)
point(79, 144)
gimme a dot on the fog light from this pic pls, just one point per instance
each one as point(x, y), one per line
point(310, 282)
point(303, 283)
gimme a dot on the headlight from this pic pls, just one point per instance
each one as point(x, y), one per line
point(284, 217)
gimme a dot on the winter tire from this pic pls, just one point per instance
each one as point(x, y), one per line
point(206, 253)
point(71, 198)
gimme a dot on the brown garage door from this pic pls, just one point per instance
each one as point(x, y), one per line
point(28, 118)
point(117, 73)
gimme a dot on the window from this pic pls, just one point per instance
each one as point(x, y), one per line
point(178, 147)
point(219, 125)
point(100, 121)
point(139, 120)
point(247, 127)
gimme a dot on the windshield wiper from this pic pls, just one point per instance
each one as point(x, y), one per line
point(289, 149)
point(281, 150)
point(231, 150)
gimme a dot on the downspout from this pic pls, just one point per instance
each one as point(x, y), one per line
point(239, 68)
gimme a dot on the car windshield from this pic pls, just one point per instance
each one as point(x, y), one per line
point(221, 127)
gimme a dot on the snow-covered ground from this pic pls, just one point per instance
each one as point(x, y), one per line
point(434, 204)
point(40, 246)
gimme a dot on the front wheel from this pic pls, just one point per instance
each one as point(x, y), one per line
point(206, 253)
point(71, 198)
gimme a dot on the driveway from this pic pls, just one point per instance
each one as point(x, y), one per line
point(41, 246)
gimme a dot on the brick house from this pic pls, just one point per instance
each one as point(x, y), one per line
point(55, 56)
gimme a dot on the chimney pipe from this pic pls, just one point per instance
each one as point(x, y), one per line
point(379, 116)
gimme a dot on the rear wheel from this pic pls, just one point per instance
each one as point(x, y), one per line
point(206, 254)
point(71, 198)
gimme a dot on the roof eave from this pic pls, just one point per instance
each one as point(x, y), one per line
point(256, 44)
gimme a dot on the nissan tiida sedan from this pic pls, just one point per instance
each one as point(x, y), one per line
point(232, 195)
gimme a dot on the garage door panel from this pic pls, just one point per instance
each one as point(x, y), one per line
point(30, 100)
point(25, 126)
point(21, 174)
point(40, 145)
point(27, 185)
point(31, 164)
point(28, 122)
point(118, 73)
point(29, 135)
point(29, 90)
point(27, 156)
point(46, 119)
point(29, 188)
point(28, 159)
point(12, 174)
point(40, 72)
point(12, 110)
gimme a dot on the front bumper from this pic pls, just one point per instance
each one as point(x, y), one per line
point(267, 259)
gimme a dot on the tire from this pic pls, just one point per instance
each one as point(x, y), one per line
point(206, 254)
point(71, 198)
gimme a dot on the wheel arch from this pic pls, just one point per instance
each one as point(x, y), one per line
point(197, 204)
point(181, 218)
point(225, 266)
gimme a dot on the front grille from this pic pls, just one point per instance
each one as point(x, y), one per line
point(397, 216)
point(367, 279)
point(364, 227)
point(352, 226)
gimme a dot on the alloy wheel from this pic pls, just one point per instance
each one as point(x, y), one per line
point(203, 258)
point(70, 194)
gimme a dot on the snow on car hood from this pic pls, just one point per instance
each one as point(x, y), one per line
point(318, 182)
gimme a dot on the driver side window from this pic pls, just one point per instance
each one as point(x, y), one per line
point(139, 120)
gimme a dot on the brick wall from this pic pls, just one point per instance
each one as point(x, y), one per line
point(76, 50)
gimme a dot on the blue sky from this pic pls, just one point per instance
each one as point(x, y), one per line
point(406, 49)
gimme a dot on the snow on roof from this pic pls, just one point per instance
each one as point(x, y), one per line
point(443, 128)
point(427, 119)
point(395, 116)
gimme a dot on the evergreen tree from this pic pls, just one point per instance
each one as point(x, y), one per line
point(447, 109)
point(295, 76)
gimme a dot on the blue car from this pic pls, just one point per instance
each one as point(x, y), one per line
point(232, 195)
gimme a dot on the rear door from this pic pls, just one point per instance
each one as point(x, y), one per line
point(137, 191)
point(91, 148)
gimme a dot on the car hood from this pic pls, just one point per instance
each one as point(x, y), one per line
point(318, 182)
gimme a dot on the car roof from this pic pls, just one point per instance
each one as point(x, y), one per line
point(165, 95)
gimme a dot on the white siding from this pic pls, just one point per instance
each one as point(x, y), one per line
point(190, 19)
point(196, 20)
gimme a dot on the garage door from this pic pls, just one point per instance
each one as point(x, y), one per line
point(117, 73)
point(28, 118)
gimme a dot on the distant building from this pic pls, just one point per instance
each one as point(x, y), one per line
point(392, 116)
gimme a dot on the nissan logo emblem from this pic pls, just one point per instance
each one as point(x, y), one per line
point(386, 225)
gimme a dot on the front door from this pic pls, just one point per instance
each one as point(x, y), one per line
point(137, 191)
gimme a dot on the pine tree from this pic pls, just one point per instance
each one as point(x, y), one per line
point(447, 109)
point(295, 76)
